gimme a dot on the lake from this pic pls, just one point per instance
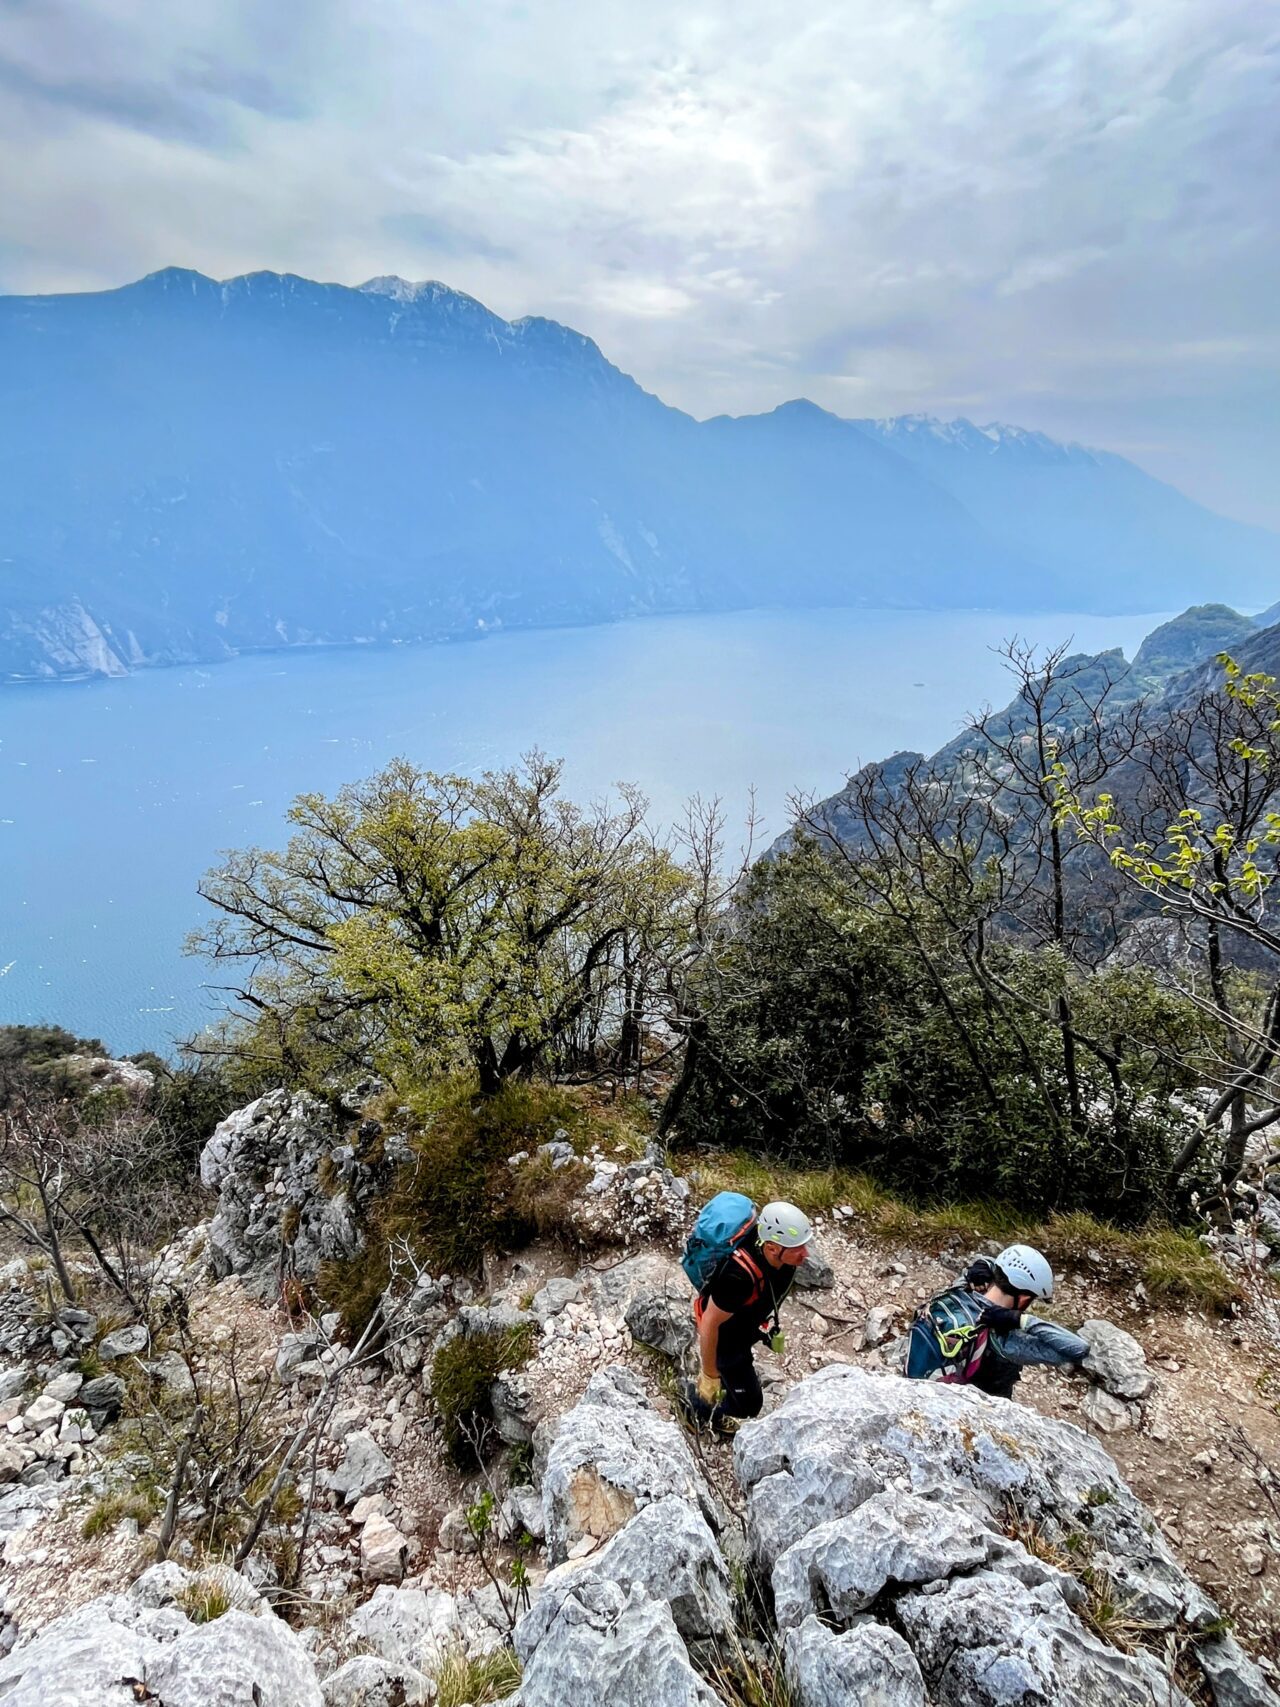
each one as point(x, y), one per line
point(115, 796)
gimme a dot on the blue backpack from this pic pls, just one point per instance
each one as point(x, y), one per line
point(946, 1342)
point(720, 1228)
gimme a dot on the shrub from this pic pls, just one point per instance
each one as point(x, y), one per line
point(462, 1372)
point(455, 1199)
point(833, 1036)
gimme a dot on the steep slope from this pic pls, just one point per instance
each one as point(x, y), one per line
point(1174, 664)
point(189, 469)
point(1085, 513)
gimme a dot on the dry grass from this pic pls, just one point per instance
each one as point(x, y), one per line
point(203, 1602)
point(1170, 1261)
point(113, 1509)
point(461, 1682)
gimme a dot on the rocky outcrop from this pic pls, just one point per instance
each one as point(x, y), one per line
point(905, 1503)
point(289, 1190)
point(606, 1458)
point(142, 1646)
point(621, 1203)
point(669, 1551)
point(606, 1643)
point(93, 1074)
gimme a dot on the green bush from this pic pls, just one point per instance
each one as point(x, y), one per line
point(455, 1198)
point(833, 1036)
point(462, 1372)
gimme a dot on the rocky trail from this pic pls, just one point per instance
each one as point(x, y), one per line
point(1112, 1537)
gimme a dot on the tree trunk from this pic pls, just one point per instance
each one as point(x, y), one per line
point(679, 1091)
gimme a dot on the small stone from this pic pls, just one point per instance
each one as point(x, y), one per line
point(64, 1387)
point(370, 1505)
point(124, 1342)
point(383, 1551)
point(879, 1325)
point(365, 1469)
point(43, 1411)
point(1253, 1559)
point(1106, 1412)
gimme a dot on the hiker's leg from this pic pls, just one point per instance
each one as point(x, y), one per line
point(996, 1375)
point(743, 1394)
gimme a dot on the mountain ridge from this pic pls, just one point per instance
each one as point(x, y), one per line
point(192, 468)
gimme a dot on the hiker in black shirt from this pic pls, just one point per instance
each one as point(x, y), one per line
point(738, 1310)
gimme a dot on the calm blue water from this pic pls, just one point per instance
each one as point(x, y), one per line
point(116, 796)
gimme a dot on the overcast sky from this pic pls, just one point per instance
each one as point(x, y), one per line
point(1061, 213)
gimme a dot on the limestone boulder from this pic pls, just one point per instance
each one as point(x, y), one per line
point(608, 1457)
point(234, 1661)
point(1232, 1675)
point(288, 1190)
point(668, 1549)
point(661, 1316)
point(892, 1538)
point(1116, 1361)
point(91, 1658)
point(608, 1644)
point(368, 1681)
point(408, 1626)
point(979, 1646)
point(846, 1434)
point(866, 1492)
point(119, 1650)
point(870, 1665)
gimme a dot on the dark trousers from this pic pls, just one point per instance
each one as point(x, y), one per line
point(743, 1394)
point(996, 1375)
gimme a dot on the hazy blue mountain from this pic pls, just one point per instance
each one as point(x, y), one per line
point(190, 469)
point(1088, 513)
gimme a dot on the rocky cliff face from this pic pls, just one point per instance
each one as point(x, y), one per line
point(867, 1539)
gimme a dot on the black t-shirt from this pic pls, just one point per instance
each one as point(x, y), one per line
point(730, 1288)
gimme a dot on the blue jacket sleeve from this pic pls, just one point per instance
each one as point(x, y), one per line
point(1041, 1342)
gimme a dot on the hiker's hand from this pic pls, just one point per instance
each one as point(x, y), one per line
point(778, 1343)
point(709, 1389)
point(998, 1319)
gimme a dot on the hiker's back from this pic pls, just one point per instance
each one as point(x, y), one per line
point(946, 1342)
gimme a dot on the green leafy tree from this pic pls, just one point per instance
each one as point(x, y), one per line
point(432, 921)
point(1196, 828)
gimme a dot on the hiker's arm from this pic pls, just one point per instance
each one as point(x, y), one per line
point(1037, 1341)
point(713, 1319)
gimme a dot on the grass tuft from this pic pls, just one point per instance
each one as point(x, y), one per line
point(203, 1602)
point(112, 1510)
point(461, 1682)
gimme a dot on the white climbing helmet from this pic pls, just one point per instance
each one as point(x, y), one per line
point(783, 1224)
point(1026, 1271)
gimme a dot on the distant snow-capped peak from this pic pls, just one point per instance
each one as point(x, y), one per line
point(965, 435)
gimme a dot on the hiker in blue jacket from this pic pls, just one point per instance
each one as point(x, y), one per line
point(737, 1309)
point(981, 1332)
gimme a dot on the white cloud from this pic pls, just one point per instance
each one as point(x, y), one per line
point(931, 204)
